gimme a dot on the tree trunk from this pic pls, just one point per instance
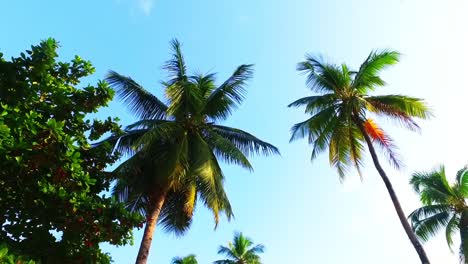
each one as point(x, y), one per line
point(157, 202)
point(463, 226)
point(404, 222)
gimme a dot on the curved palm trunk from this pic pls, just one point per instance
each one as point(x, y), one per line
point(151, 221)
point(404, 222)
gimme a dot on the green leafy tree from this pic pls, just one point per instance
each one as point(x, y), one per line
point(340, 118)
point(444, 206)
point(190, 259)
point(176, 146)
point(7, 257)
point(241, 251)
point(51, 180)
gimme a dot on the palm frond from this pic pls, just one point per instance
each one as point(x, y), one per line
point(245, 142)
point(227, 251)
point(424, 212)
point(314, 126)
point(452, 227)
point(339, 149)
point(356, 147)
point(205, 84)
point(322, 77)
point(209, 179)
point(146, 124)
point(130, 187)
point(226, 150)
point(462, 181)
point(432, 186)
point(367, 77)
point(185, 100)
point(428, 227)
point(190, 259)
point(399, 107)
point(176, 65)
point(158, 134)
point(384, 141)
point(256, 249)
point(229, 95)
point(177, 212)
point(139, 101)
point(224, 261)
point(315, 104)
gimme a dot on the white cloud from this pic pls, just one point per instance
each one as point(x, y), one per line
point(146, 6)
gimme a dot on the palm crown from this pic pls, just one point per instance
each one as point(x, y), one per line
point(176, 145)
point(241, 251)
point(444, 206)
point(340, 113)
point(340, 118)
point(190, 259)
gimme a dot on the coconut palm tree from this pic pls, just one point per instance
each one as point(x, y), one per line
point(340, 118)
point(241, 251)
point(190, 259)
point(176, 146)
point(444, 206)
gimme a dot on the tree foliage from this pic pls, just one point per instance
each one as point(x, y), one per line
point(340, 119)
point(241, 251)
point(444, 207)
point(340, 113)
point(51, 180)
point(190, 259)
point(177, 145)
point(7, 257)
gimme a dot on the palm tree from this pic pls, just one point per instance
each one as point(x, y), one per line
point(241, 251)
point(176, 146)
point(190, 259)
point(340, 118)
point(444, 206)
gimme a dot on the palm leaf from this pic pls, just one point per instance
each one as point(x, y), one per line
point(209, 179)
point(322, 77)
point(367, 77)
point(229, 95)
point(315, 104)
point(400, 107)
point(176, 65)
point(452, 227)
point(433, 186)
point(139, 101)
point(245, 142)
point(462, 181)
point(384, 141)
point(177, 212)
point(429, 226)
point(226, 150)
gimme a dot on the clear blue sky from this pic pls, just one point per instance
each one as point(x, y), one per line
point(297, 209)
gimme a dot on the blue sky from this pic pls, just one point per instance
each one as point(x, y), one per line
point(297, 209)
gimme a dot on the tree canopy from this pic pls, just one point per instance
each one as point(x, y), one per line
point(52, 207)
point(241, 251)
point(444, 207)
point(178, 144)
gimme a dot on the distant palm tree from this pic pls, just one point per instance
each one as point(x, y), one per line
point(241, 251)
point(444, 207)
point(176, 147)
point(190, 259)
point(340, 118)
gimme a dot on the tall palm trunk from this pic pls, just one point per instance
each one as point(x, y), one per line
point(463, 234)
point(404, 222)
point(157, 202)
